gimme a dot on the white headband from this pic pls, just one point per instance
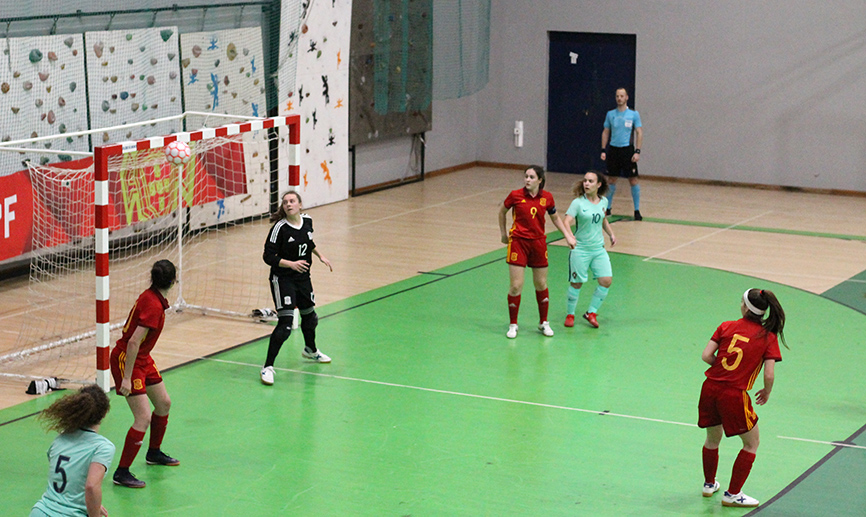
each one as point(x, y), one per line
point(759, 312)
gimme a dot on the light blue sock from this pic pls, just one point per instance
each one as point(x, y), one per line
point(635, 195)
point(611, 191)
point(597, 299)
point(571, 299)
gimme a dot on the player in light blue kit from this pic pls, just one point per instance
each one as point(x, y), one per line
point(621, 160)
point(77, 459)
point(588, 210)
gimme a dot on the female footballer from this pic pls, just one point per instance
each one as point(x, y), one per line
point(588, 210)
point(288, 251)
point(736, 353)
point(135, 375)
point(78, 458)
point(527, 244)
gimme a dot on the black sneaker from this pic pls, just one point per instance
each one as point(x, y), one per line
point(637, 216)
point(607, 212)
point(157, 457)
point(124, 477)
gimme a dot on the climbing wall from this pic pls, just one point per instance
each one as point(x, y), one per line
point(392, 69)
point(321, 96)
point(42, 92)
point(133, 76)
point(223, 72)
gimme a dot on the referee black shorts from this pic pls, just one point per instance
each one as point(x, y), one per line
point(619, 162)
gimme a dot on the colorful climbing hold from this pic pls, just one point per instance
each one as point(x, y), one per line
point(35, 55)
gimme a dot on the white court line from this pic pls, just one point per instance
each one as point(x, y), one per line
point(834, 444)
point(765, 272)
point(444, 392)
point(707, 235)
point(496, 399)
point(421, 209)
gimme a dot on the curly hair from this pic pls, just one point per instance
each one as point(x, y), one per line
point(83, 409)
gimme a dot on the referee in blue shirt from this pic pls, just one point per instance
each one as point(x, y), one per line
point(621, 160)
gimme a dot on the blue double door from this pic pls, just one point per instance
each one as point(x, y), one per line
point(585, 70)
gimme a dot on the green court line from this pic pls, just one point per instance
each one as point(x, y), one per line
point(851, 292)
point(781, 231)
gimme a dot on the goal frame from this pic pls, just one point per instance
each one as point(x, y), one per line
point(101, 156)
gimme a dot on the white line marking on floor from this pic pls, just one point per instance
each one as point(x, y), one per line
point(457, 393)
point(720, 230)
point(834, 444)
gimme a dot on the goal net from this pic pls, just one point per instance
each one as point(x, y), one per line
point(103, 221)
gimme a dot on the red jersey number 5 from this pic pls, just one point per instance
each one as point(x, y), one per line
point(734, 349)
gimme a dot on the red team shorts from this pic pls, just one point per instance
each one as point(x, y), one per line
point(527, 252)
point(142, 376)
point(730, 407)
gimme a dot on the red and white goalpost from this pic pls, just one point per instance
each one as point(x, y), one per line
point(127, 210)
point(101, 159)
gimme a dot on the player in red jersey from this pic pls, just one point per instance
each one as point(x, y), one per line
point(527, 245)
point(136, 375)
point(736, 353)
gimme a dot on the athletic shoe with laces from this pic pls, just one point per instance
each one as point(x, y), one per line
point(157, 457)
point(591, 318)
point(317, 356)
point(124, 477)
point(637, 216)
point(268, 375)
point(545, 329)
point(711, 488)
point(740, 500)
point(569, 320)
point(512, 331)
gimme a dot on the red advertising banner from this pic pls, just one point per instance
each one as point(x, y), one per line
point(16, 215)
point(62, 202)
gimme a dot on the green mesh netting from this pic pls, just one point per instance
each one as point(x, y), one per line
point(461, 47)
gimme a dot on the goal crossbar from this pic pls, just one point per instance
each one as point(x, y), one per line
point(101, 156)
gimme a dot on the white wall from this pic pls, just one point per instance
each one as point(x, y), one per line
point(765, 92)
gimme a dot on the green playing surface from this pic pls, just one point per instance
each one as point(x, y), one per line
point(427, 408)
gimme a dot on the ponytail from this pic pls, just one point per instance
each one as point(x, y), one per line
point(766, 302)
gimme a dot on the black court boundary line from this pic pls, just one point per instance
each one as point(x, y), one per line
point(19, 418)
point(440, 276)
point(806, 474)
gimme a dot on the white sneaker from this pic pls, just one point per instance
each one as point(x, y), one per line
point(740, 500)
point(268, 375)
point(317, 356)
point(512, 331)
point(711, 488)
point(545, 329)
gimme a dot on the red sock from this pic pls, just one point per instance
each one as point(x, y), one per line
point(543, 300)
point(513, 307)
point(742, 467)
point(130, 447)
point(711, 464)
point(157, 430)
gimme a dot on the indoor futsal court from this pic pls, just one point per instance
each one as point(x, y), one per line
point(428, 409)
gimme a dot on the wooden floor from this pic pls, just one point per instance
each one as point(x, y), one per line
point(809, 241)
